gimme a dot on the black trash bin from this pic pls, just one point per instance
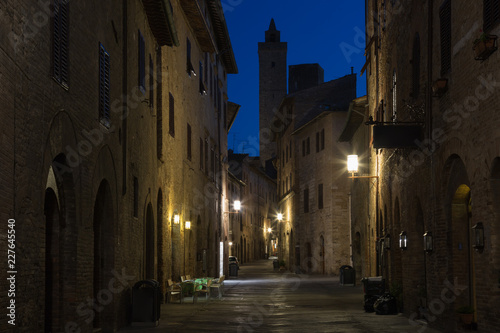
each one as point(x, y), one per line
point(146, 298)
point(347, 276)
point(233, 269)
point(374, 287)
point(276, 264)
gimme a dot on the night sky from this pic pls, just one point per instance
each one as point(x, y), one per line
point(328, 32)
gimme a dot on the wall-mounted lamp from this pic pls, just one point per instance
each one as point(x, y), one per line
point(428, 245)
point(403, 240)
point(230, 243)
point(352, 163)
point(188, 225)
point(387, 242)
point(236, 207)
point(269, 230)
point(176, 217)
point(352, 167)
point(478, 236)
point(280, 217)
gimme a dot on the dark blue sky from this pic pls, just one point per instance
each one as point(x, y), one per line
point(328, 32)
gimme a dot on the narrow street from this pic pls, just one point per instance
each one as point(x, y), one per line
point(263, 300)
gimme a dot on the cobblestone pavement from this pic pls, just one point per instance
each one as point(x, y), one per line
point(263, 300)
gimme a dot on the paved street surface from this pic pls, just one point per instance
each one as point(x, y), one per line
point(263, 300)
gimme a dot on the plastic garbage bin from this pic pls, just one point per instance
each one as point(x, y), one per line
point(276, 264)
point(373, 287)
point(146, 297)
point(233, 269)
point(347, 276)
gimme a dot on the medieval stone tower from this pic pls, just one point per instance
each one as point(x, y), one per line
point(272, 86)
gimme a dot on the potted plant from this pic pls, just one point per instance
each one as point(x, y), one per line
point(466, 314)
point(484, 45)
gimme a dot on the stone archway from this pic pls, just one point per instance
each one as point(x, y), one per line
point(61, 234)
point(458, 218)
point(103, 230)
point(150, 243)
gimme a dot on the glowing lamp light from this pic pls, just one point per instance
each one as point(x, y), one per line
point(237, 205)
point(269, 230)
point(352, 163)
point(230, 243)
point(188, 225)
point(177, 218)
point(280, 217)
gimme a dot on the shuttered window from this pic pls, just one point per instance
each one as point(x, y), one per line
point(320, 196)
point(491, 14)
point(151, 83)
point(60, 42)
point(141, 64)
point(171, 114)
point(104, 86)
point(306, 200)
point(445, 26)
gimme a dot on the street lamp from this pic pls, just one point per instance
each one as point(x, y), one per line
point(237, 205)
point(403, 240)
point(176, 217)
point(352, 167)
point(188, 225)
point(478, 236)
point(428, 246)
point(280, 217)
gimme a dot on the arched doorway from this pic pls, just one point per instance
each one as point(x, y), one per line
point(159, 241)
point(458, 207)
point(150, 243)
point(61, 235)
point(103, 228)
point(53, 281)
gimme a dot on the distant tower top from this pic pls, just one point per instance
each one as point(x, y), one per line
point(272, 35)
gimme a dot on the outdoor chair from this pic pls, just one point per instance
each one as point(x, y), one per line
point(189, 289)
point(205, 289)
point(183, 278)
point(219, 285)
point(174, 289)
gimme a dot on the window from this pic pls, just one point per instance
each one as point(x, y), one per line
point(189, 151)
point(317, 142)
point(142, 60)
point(322, 139)
point(189, 65)
point(303, 148)
point(104, 86)
point(320, 196)
point(212, 163)
point(206, 67)
point(491, 14)
point(136, 197)
point(171, 122)
point(308, 146)
point(159, 108)
point(415, 62)
point(445, 27)
point(201, 154)
point(151, 83)
point(60, 42)
point(203, 91)
point(306, 200)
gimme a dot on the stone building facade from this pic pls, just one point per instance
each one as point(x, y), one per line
point(312, 187)
point(252, 238)
point(433, 142)
point(114, 121)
